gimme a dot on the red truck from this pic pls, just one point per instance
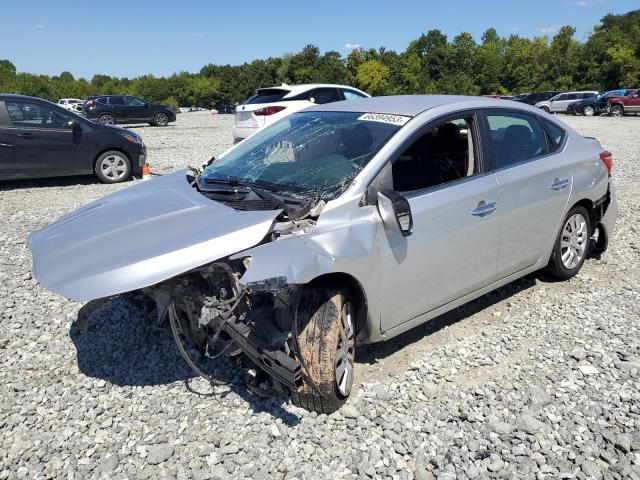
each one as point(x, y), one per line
point(619, 106)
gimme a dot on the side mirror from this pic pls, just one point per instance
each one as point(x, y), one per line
point(395, 212)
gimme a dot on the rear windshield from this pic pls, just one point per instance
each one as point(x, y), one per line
point(268, 95)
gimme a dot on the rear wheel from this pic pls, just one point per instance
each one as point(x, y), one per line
point(161, 119)
point(572, 245)
point(545, 108)
point(325, 340)
point(589, 111)
point(107, 119)
point(113, 167)
point(617, 111)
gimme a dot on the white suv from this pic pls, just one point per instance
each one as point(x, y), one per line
point(560, 103)
point(72, 104)
point(273, 103)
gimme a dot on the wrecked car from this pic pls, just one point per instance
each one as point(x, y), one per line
point(340, 225)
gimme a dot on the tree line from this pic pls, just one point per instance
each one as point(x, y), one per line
point(608, 58)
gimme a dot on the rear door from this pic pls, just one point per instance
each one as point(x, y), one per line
point(324, 95)
point(535, 182)
point(633, 102)
point(43, 143)
point(117, 107)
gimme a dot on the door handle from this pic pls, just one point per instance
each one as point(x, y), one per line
point(484, 208)
point(26, 135)
point(559, 184)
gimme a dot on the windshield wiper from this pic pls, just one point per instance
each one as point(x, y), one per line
point(236, 182)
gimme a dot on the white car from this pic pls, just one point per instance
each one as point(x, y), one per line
point(561, 102)
point(271, 104)
point(72, 104)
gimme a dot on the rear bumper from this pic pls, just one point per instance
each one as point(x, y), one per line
point(240, 133)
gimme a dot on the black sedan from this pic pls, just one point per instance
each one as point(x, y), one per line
point(40, 139)
point(112, 109)
point(595, 105)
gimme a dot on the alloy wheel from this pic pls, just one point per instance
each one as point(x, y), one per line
point(113, 167)
point(107, 120)
point(345, 355)
point(588, 111)
point(162, 119)
point(574, 240)
point(617, 111)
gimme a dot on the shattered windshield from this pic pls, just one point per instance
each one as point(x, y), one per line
point(306, 155)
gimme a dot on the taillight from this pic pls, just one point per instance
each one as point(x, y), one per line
point(266, 111)
point(607, 159)
point(90, 104)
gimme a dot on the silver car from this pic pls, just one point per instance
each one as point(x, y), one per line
point(343, 224)
point(560, 103)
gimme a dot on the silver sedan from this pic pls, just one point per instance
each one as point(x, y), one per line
point(343, 224)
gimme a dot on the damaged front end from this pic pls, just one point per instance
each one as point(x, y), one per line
point(211, 309)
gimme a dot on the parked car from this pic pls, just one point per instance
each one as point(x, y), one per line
point(560, 103)
point(594, 105)
point(343, 224)
point(271, 104)
point(41, 139)
point(227, 109)
point(622, 105)
point(73, 104)
point(535, 97)
point(112, 109)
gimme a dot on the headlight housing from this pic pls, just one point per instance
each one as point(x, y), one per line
point(132, 138)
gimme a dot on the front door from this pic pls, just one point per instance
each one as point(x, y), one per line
point(456, 223)
point(535, 182)
point(137, 109)
point(633, 103)
point(43, 143)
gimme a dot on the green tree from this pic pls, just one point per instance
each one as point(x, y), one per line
point(373, 77)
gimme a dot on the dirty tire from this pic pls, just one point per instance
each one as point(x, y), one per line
point(556, 266)
point(319, 319)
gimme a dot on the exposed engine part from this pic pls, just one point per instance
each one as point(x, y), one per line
point(213, 311)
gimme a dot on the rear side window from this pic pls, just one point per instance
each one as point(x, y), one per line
point(516, 138)
point(102, 100)
point(268, 95)
point(116, 101)
point(556, 135)
point(325, 95)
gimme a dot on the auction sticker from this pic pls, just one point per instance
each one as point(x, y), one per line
point(385, 118)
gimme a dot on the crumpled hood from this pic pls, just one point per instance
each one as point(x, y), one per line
point(138, 237)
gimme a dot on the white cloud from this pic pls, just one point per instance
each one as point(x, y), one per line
point(352, 46)
point(550, 29)
point(39, 25)
point(582, 3)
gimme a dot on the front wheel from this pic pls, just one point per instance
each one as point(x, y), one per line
point(161, 119)
point(546, 109)
point(113, 167)
point(589, 111)
point(325, 342)
point(572, 244)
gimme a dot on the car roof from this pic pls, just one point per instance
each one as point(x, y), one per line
point(412, 105)
point(303, 87)
point(15, 96)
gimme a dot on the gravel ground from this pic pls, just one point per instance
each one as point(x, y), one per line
point(539, 379)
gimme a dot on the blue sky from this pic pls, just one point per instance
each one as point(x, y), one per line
point(130, 38)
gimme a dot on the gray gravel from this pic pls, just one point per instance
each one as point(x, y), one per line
point(539, 379)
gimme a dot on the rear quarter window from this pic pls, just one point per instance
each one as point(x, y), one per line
point(555, 133)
